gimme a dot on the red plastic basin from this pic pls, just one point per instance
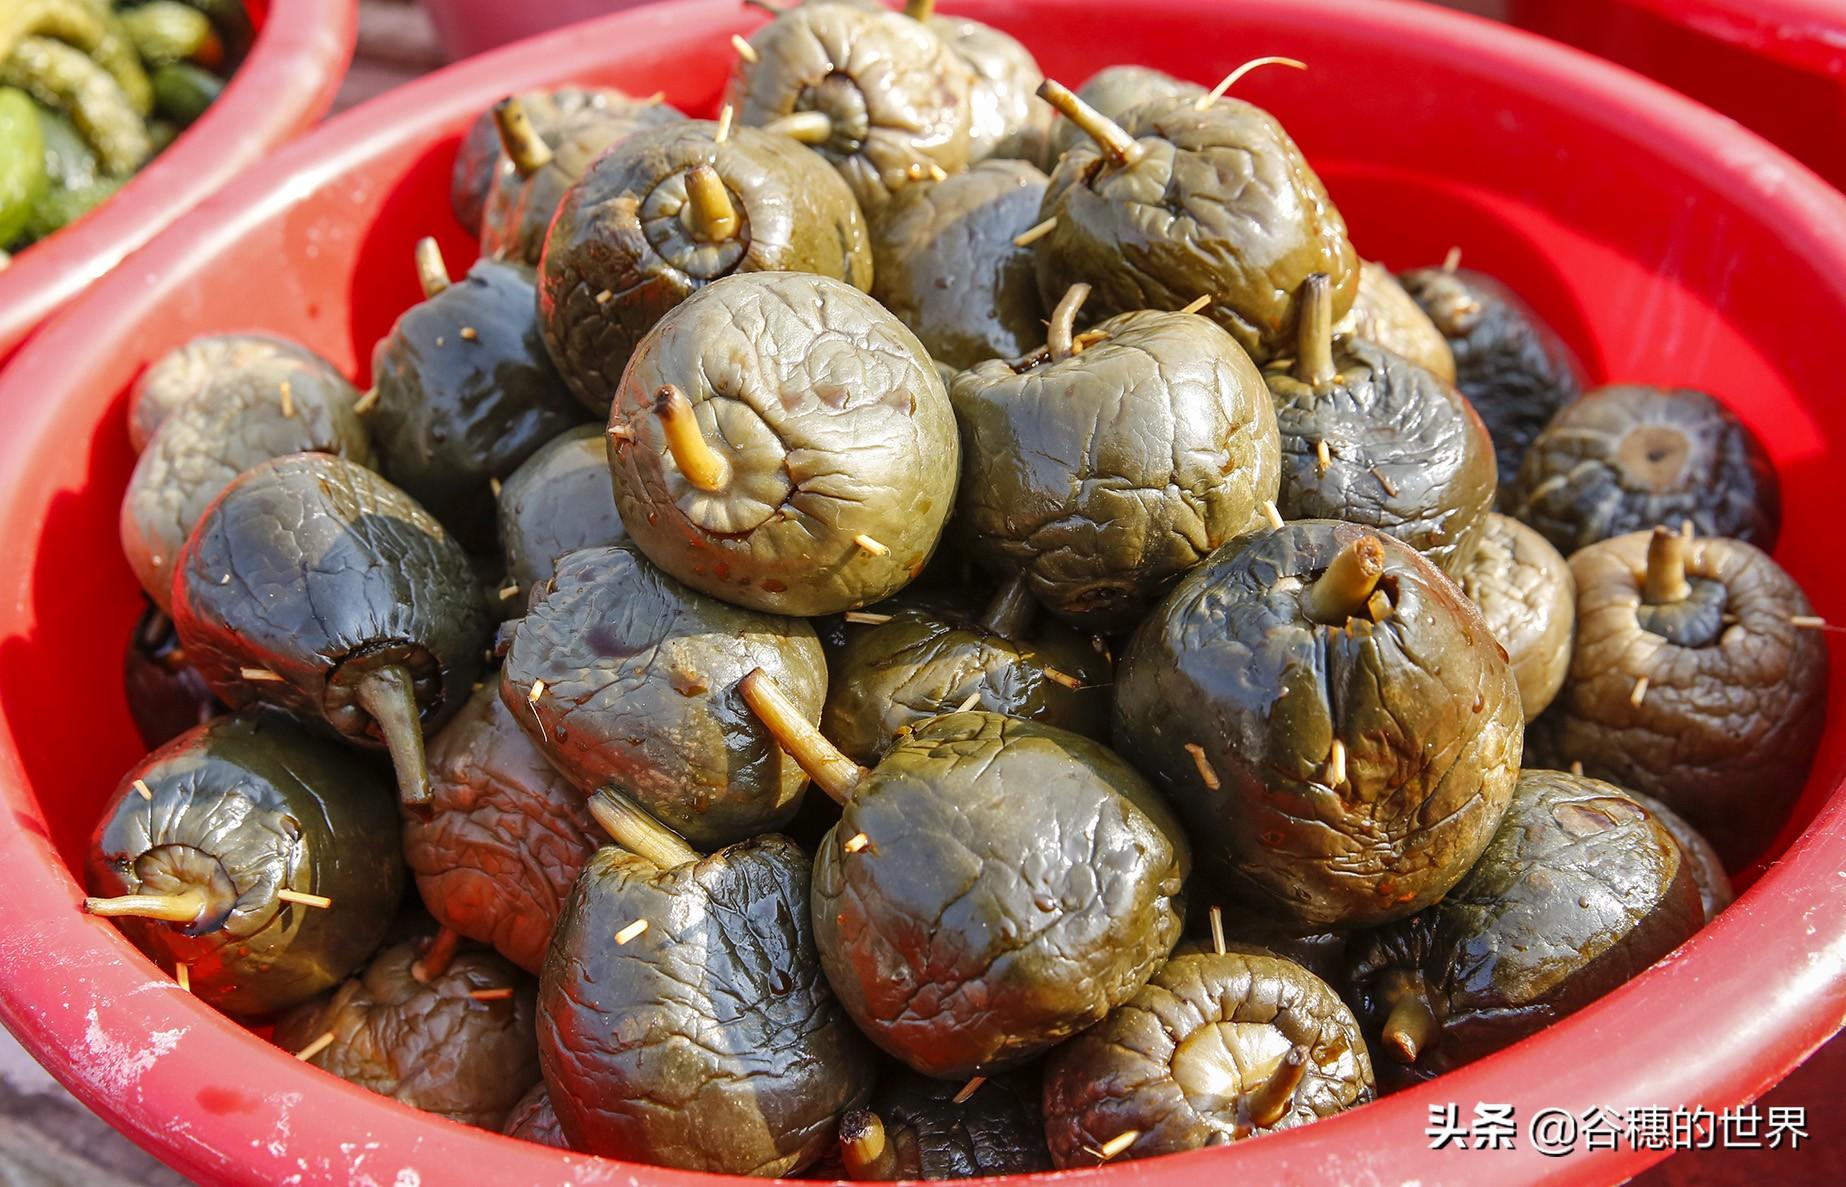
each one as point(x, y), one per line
point(1665, 242)
point(1776, 66)
point(286, 82)
point(469, 27)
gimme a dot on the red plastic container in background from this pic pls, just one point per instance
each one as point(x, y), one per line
point(469, 27)
point(285, 83)
point(1666, 243)
point(1776, 66)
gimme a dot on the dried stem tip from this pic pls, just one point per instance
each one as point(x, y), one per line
point(809, 127)
point(1204, 102)
point(1411, 1028)
point(864, 1150)
point(524, 146)
point(831, 770)
point(704, 467)
point(319, 902)
point(389, 694)
point(1314, 334)
point(919, 10)
point(1270, 1103)
point(744, 49)
point(1344, 589)
point(1666, 569)
point(1122, 149)
point(635, 829)
point(709, 214)
point(1207, 775)
point(967, 1090)
point(432, 272)
point(182, 907)
point(435, 959)
point(1063, 322)
point(632, 932)
point(1117, 1144)
point(1217, 930)
point(1035, 232)
point(315, 1048)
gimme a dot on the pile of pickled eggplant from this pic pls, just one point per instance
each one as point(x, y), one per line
point(933, 625)
point(91, 90)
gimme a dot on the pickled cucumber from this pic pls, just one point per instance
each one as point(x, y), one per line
point(62, 77)
point(166, 31)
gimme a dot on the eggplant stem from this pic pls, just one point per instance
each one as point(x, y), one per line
point(831, 770)
point(1217, 930)
point(704, 467)
point(1411, 1028)
point(390, 696)
point(919, 10)
point(1063, 323)
point(1270, 1103)
point(637, 830)
point(864, 1150)
point(436, 958)
point(1122, 149)
point(1314, 332)
point(1012, 610)
point(1343, 591)
point(432, 272)
point(182, 907)
point(708, 213)
point(1666, 569)
point(809, 127)
point(524, 146)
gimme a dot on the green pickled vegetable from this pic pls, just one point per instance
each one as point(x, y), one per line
point(23, 181)
point(64, 78)
point(166, 31)
point(183, 91)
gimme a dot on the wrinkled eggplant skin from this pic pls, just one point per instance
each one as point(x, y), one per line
point(1112, 91)
point(997, 1131)
point(641, 691)
point(166, 695)
point(429, 1046)
point(618, 232)
point(1021, 881)
point(1156, 1064)
point(243, 806)
point(1708, 873)
point(835, 425)
point(920, 665)
point(318, 570)
point(896, 92)
point(1528, 599)
point(456, 410)
point(1580, 890)
point(1105, 475)
point(231, 424)
point(1424, 703)
point(945, 264)
point(940, 599)
point(1006, 121)
point(1222, 204)
point(1408, 455)
point(480, 156)
point(558, 501)
point(229, 361)
point(507, 836)
point(1627, 457)
point(1386, 315)
point(1512, 367)
point(711, 1041)
point(1726, 733)
point(534, 1120)
point(518, 211)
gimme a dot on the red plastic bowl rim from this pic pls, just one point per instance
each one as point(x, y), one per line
point(1756, 1021)
point(1806, 34)
point(287, 82)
